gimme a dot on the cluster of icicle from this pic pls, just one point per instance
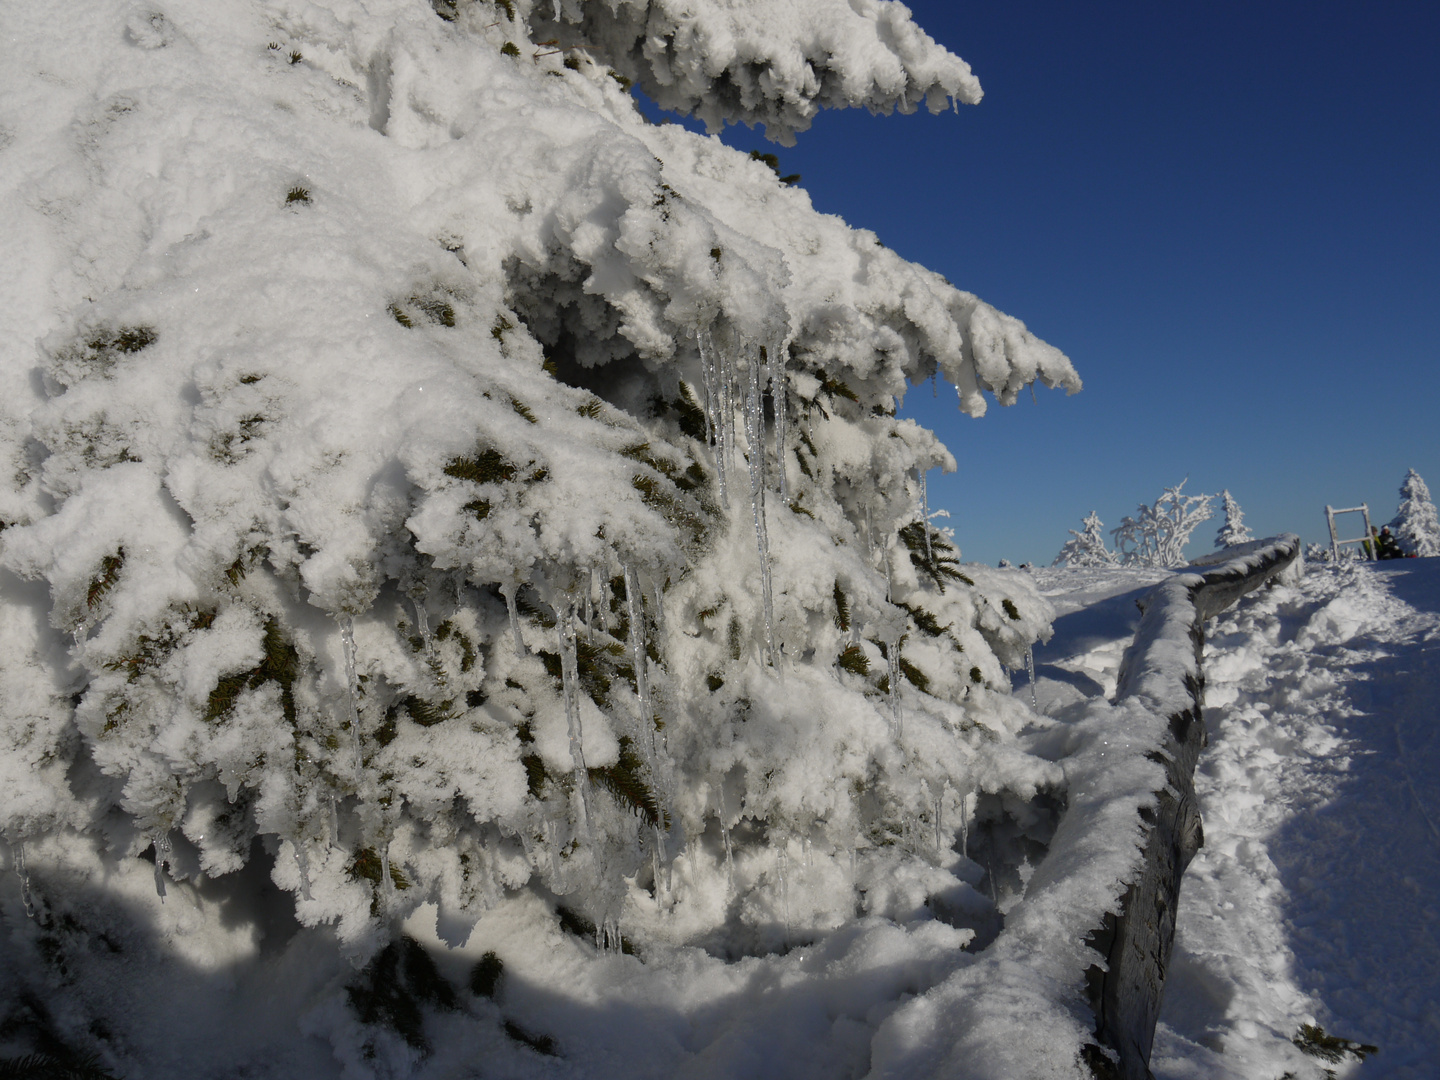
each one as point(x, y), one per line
point(725, 385)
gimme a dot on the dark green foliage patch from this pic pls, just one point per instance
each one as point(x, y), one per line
point(394, 988)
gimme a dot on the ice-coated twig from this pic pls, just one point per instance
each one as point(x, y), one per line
point(755, 440)
point(1030, 671)
point(780, 395)
point(163, 855)
point(508, 591)
point(352, 690)
point(570, 680)
point(17, 860)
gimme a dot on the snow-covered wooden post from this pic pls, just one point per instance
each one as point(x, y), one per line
point(1136, 940)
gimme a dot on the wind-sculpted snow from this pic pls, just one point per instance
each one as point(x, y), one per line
point(374, 531)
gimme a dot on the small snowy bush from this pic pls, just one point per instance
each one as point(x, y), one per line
point(1416, 525)
point(436, 479)
point(1233, 532)
point(1157, 537)
point(1086, 548)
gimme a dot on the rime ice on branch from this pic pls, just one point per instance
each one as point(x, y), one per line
point(254, 421)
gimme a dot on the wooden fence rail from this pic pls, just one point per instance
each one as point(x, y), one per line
point(1162, 671)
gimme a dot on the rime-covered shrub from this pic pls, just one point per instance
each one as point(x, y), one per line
point(1416, 525)
point(1087, 547)
point(419, 463)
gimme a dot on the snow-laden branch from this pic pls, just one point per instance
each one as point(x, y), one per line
point(757, 62)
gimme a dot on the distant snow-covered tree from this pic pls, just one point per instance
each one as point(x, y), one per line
point(1086, 547)
point(1157, 537)
point(1233, 531)
point(1416, 525)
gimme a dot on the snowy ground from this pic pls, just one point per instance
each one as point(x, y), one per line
point(1312, 901)
point(1316, 895)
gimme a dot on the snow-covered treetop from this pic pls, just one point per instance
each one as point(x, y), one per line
point(1233, 531)
point(1416, 525)
point(759, 62)
point(1087, 548)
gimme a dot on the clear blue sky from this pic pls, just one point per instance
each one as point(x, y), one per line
point(1227, 214)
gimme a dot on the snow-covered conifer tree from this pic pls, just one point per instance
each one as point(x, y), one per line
point(1087, 547)
point(395, 426)
point(1416, 525)
point(1233, 531)
point(1157, 538)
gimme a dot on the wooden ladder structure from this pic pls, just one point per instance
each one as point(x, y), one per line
point(1336, 543)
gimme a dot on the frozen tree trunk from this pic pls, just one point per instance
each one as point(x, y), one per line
point(1164, 673)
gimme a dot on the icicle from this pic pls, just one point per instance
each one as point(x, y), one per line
point(352, 690)
point(780, 395)
point(588, 613)
point(163, 855)
point(656, 859)
point(422, 623)
point(707, 378)
point(302, 861)
point(17, 860)
point(570, 678)
point(636, 610)
point(935, 384)
point(334, 823)
point(783, 865)
point(965, 824)
point(386, 881)
point(893, 656)
point(755, 440)
point(725, 835)
point(925, 516)
point(940, 818)
point(509, 593)
point(659, 612)
point(1030, 671)
point(719, 411)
